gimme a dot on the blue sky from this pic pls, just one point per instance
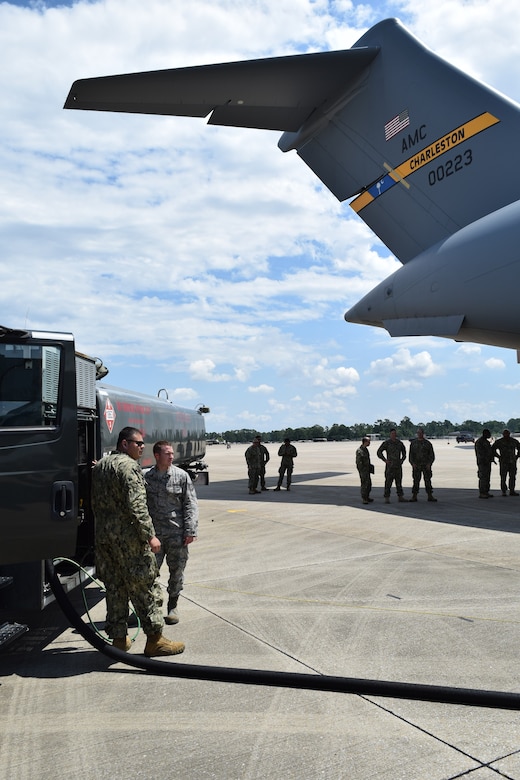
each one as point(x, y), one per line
point(201, 259)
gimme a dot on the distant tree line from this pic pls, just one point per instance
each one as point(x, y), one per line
point(338, 432)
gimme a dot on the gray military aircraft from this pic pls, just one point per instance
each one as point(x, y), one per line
point(426, 153)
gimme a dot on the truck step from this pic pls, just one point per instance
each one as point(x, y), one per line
point(5, 582)
point(9, 632)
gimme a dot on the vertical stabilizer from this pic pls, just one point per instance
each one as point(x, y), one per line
point(425, 148)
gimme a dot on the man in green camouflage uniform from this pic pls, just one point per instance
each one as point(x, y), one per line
point(287, 453)
point(125, 546)
point(173, 506)
point(508, 450)
point(266, 458)
point(255, 463)
point(393, 453)
point(421, 457)
point(365, 469)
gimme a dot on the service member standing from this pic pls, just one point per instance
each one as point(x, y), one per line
point(508, 450)
point(287, 452)
point(173, 506)
point(421, 457)
point(484, 455)
point(393, 453)
point(255, 463)
point(266, 458)
point(365, 469)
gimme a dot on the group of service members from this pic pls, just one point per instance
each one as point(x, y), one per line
point(507, 449)
point(257, 457)
point(421, 457)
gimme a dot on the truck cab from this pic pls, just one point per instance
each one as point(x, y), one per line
point(47, 414)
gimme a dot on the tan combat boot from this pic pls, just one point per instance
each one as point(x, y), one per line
point(122, 643)
point(157, 644)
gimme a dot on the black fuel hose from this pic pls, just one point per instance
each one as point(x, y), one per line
point(314, 682)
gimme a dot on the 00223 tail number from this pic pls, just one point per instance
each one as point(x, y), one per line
point(450, 167)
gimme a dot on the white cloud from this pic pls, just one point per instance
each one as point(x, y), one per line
point(406, 384)
point(183, 394)
point(446, 23)
point(340, 391)
point(255, 420)
point(468, 350)
point(470, 410)
point(403, 362)
point(494, 364)
point(261, 389)
point(276, 406)
point(205, 370)
point(322, 375)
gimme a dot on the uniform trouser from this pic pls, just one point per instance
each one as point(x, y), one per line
point(393, 473)
point(426, 473)
point(262, 477)
point(281, 472)
point(135, 582)
point(484, 478)
point(366, 484)
point(253, 473)
point(176, 554)
point(507, 470)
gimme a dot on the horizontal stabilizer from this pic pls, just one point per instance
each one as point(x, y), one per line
point(425, 326)
point(277, 93)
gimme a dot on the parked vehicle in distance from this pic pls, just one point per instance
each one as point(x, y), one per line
point(465, 438)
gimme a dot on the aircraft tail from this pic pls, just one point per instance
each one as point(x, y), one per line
point(424, 147)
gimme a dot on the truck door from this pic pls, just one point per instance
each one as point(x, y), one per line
point(38, 446)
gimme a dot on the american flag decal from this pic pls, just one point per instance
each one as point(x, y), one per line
point(397, 124)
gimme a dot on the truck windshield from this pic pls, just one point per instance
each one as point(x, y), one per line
point(29, 385)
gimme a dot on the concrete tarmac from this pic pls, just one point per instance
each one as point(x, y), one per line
point(309, 581)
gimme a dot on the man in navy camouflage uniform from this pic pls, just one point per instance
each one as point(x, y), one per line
point(421, 457)
point(126, 544)
point(393, 453)
point(172, 503)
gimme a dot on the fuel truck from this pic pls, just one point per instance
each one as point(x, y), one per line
point(56, 420)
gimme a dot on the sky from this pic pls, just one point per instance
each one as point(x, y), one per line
point(203, 260)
